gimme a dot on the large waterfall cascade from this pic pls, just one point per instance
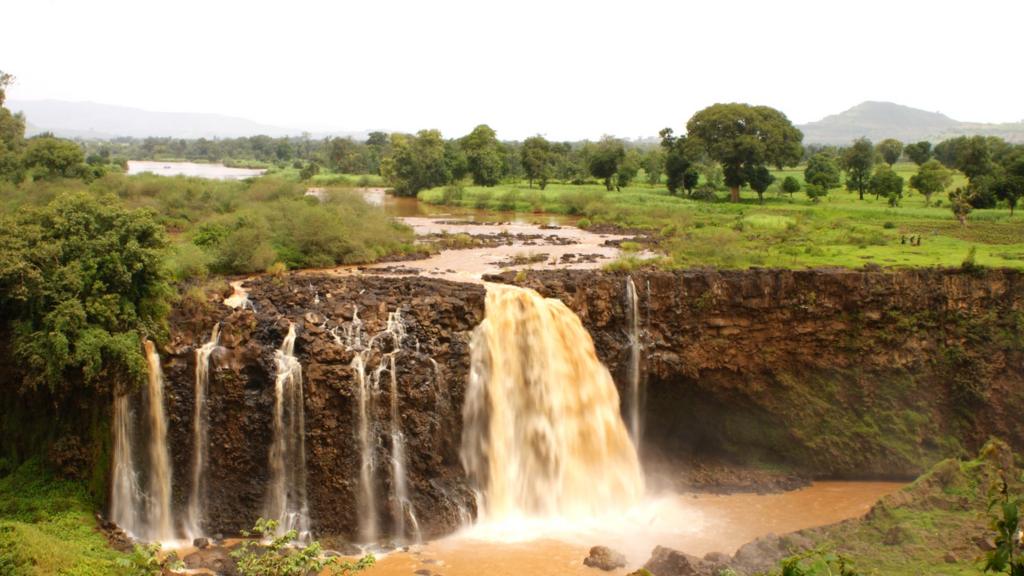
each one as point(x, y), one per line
point(200, 425)
point(286, 495)
point(385, 348)
point(543, 434)
point(636, 392)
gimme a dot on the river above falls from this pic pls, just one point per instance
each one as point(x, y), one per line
point(197, 170)
point(693, 523)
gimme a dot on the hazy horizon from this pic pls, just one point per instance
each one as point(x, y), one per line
point(570, 70)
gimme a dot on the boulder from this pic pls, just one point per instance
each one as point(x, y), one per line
point(604, 558)
point(668, 562)
point(215, 559)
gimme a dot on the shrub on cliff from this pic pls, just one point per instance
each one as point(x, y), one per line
point(81, 280)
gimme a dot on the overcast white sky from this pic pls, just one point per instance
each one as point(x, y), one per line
point(565, 69)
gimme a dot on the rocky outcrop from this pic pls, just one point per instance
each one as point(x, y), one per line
point(829, 373)
point(439, 315)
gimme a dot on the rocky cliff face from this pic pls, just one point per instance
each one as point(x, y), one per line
point(829, 373)
point(439, 315)
point(834, 373)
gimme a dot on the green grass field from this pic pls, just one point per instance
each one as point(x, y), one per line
point(47, 527)
point(840, 230)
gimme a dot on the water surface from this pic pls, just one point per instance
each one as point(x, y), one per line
point(211, 171)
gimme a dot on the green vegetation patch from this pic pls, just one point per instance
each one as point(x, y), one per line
point(47, 527)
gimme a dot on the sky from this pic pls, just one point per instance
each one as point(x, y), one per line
point(564, 69)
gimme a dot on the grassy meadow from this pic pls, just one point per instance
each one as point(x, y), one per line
point(787, 232)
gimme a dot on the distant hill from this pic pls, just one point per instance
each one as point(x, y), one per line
point(880, 120)
point(89, 120)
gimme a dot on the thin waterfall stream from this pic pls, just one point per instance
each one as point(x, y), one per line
point(200, 424)
point(286, 497)
point(385, 347)
point(125, 493)
point(159, 524)
point(635, 392)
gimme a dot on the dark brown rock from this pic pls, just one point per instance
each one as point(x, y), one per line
point(669, 562)
point(604, 558)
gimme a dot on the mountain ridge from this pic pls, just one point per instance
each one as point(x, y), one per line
point(93, 120)
point(877, 120)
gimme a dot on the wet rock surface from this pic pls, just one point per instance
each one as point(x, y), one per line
point(604, 558)
point(438, 314)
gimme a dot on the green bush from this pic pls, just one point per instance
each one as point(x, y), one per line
point(272, 554)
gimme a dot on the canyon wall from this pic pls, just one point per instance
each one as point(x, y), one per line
point(826, 373)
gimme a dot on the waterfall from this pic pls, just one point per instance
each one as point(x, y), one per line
point(286, 500)
point(158, 524)
point(635, 393)
point(391, 343)
point(366, 499)
point(543, 435)
point(200, 422)
point(124, 484)
point(400, 484)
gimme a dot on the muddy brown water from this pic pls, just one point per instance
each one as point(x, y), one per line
point(693, 523)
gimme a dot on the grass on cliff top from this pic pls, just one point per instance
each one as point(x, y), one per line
point(931, 526)
point(783, 232)
point(47, 527)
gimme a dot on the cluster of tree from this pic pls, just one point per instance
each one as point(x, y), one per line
point(994, 169)
point(40, 157)
point(741, 141)
point(81, 280)
point(426, 159)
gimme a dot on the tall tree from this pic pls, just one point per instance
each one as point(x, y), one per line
point(891, 150)
point(822, 171)
point(604, 160)
point(12, 135)
point(931, 177)
point(417, 162)
point(790, 185)
point(680, 169)
point(743, 137)
point(919, 152)
point(484, 155)
point(858, 160)
point(49, 157)
point(628, 168)
point(1009, 185)
point(537, 159)
point(760, 178)
point(886, 183)
point(654, 165)
point(974, 157)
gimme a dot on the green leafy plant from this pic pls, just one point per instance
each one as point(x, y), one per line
point(817, 562)
point(145, 561)
point(272, 554)
point(1007, 557)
